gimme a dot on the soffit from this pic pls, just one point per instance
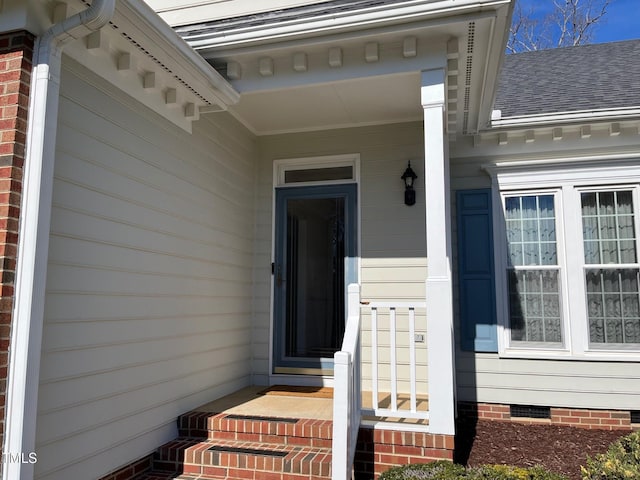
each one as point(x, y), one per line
point(141, 55)
point(362, 74)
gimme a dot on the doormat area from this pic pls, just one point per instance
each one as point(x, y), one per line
point(295, 391)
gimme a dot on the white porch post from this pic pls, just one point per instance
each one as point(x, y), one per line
point(439, 284)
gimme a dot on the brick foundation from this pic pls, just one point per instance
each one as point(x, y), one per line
point(380, 450)
point(377, 452)
point(575, 417)
point(16, 54)
point(131, 471)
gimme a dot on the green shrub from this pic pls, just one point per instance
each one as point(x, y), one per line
point(443, 470)
point(440, 470)
point(621, 462)
point(508, 472)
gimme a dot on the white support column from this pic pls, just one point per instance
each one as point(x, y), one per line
point(439, 284)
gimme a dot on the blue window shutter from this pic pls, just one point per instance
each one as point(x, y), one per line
point(477, 295)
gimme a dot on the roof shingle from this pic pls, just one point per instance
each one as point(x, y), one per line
point(586, 77)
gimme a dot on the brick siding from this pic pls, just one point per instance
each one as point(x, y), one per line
point(16, 54)
point(380, 450)
point(131, 471)
point(575, 417)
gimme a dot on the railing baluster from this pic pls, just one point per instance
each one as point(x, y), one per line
point(394, 409)
point(374, 358)
point(394, 359)
point(412, 357)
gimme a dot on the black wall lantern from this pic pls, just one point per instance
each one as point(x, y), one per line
point(409, 177)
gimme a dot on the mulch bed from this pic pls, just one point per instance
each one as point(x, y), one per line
point(558, 448)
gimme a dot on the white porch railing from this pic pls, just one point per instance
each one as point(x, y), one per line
point(392, 309)
point(347, 396)
point(347, 400)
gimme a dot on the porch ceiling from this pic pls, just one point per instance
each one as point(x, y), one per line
point(358, 102)
point(358, 73)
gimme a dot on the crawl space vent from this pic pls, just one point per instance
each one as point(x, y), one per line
point(530, 411)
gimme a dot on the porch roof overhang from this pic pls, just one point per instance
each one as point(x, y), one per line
point(355, 63)
point(141, 55)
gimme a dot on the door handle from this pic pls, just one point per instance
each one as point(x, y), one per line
point(279, 279)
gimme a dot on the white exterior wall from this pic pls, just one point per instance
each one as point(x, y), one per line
point(148, 305)
point(484, 377)
point(393, 263)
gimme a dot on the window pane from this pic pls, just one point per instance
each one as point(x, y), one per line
point(589, 206)
point(318, 174)
point(534, 306)
point(606, 204)
point(531, 230)
point(624, 203)
point(613, 305)
point(608, 228)
point(515, 254)
point(548, 230)
point(512, 208)
point(548, 254)
point(529, 207)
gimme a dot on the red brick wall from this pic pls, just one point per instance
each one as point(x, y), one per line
point(575, 417)
point(16, 53)
point(380, 450)
point(131, 471)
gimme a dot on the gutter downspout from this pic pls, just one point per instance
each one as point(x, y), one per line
point(33, 243)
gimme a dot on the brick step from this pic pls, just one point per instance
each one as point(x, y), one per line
point(226, 426)
point(228, 459)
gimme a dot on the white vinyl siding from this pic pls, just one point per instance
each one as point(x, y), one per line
point(149, 286)
point(392, 243)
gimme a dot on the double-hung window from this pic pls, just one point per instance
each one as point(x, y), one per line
point(567, 263)
point(611, 267)
point(533, 273)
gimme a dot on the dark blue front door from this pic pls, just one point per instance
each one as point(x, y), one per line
point(315, 260)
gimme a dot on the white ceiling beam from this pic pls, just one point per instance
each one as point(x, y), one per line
point(372, 52)
point(300, 62)
point(410, 47)
point(335, 57)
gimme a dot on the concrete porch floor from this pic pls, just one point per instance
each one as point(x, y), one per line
point(249, 401)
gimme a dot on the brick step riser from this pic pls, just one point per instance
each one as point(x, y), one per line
point(233, 465)
point(271, 439)
point(203, 427)
point(192, 456)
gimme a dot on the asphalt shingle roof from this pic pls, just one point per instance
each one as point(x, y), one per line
point(586, 77)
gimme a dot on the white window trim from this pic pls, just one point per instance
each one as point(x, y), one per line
point(569, 179)
point(505, 345)
point(280, 167)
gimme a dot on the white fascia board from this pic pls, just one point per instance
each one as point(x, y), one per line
point(372, 17)
point(547, 119)
point(136, 18)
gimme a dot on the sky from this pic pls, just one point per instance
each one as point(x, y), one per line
point(621, 22)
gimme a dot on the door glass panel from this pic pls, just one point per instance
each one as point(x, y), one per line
point(315, 269)
point(318, 174)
